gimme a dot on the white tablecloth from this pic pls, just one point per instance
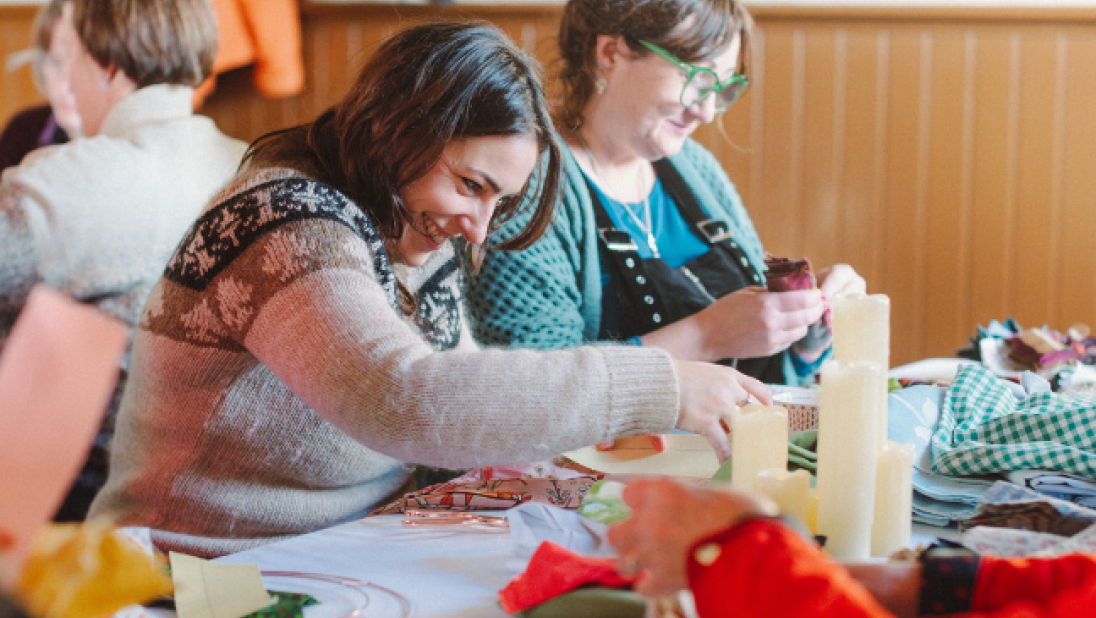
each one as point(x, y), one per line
point(441, 572)
point(450, 571)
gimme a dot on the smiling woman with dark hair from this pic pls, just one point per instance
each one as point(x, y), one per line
point(307, 342)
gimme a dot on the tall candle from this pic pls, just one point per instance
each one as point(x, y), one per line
point(850, 402)
point(789, 490)
point(892, 524)
point(812, 510)
point(759, 440)
point(861, 332)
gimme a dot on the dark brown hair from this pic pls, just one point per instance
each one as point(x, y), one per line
point(423, 88)
point(150, 41)
point(711, 26)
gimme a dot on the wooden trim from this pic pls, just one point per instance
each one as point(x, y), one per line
point(1011, 15)
point(485, 11)
point(19, 11)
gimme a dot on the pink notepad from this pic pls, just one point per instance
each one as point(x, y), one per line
point(57, 370)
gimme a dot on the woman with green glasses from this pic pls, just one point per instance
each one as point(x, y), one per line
point(652, 245)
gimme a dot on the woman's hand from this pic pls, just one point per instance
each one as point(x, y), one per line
point(708, 393)
point(840, 279)
point(748, 323)
point(668, 518)
point(833, 281)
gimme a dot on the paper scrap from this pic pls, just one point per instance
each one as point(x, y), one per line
point(685, 455)
point(57, 370)
point(205, 589)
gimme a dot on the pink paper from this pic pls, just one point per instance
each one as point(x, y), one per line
point(57, 370)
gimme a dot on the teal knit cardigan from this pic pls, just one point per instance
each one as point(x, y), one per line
point(549, 296)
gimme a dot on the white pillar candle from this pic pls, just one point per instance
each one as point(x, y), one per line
point(850, 402)
point(812, 510)
point(789, 490)
point(892, 524)
point(861, 332)
point(759, 440)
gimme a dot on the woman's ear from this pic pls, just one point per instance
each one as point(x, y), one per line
point(607, 51)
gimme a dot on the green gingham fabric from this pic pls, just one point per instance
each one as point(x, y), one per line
point(984, 428)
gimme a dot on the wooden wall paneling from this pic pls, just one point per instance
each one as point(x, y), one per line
point(860, 205)
point(992, 200)
point(1032, 290)
point(907, 110)
point(819, 232)
point(17, 90)
point(1057, 184)
point(773, 202)
point(943, 303)
point(1076, 261)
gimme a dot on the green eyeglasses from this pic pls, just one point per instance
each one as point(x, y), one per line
point(702, 81)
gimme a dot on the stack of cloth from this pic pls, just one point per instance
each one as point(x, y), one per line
point(1058, 485)
point(1014, 521)
point(979, 430)
point(938, 500)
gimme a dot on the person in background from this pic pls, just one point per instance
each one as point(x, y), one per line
point(59, 121)
point(652, 244)
point(308, 342)
point(98, 217)
point(738, 560)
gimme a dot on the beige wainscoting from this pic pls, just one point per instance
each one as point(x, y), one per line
point(948, 154)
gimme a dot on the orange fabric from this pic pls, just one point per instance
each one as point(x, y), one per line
point(266, 33)
point(767, 570)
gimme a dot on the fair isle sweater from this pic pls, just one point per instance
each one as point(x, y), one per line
point(550, 295)
point(279, 386)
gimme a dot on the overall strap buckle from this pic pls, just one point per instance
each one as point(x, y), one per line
point(714, 230)
point(617, 240)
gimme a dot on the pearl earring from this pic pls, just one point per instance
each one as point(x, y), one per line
point(601, 84)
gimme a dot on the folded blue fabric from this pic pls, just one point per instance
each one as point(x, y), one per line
point(938, 500)
point(1003, 492)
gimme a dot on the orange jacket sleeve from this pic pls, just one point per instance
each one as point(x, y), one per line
point(1036, 587)
point(761, 569)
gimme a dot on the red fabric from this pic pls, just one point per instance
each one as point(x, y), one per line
point(554, 570)
point(767, 570)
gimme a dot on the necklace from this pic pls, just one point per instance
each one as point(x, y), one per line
point(644, 224)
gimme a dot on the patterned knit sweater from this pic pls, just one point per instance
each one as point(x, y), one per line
point(550, 295)
point(280, 386)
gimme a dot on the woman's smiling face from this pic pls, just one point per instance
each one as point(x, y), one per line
point(458, 196)
point(644, 93)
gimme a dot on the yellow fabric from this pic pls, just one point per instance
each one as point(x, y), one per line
point(85, 570)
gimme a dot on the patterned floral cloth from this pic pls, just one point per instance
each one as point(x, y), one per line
point(500, 487)
point(984, 428)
